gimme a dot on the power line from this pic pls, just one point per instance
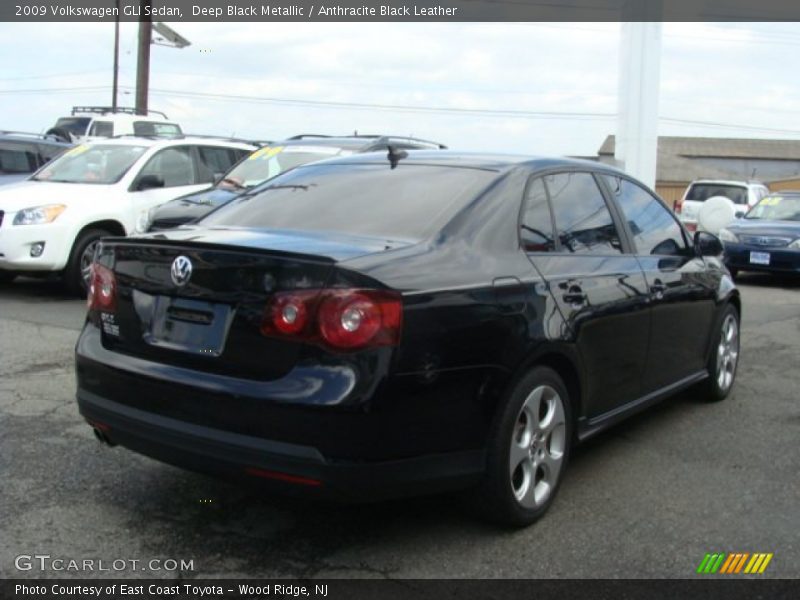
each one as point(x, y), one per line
point(391, 107)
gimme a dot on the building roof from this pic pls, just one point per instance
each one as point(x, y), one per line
point(675, 154)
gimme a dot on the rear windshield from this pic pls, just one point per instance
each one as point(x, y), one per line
point(700, 192)
point(156, 129)
point(409, 202)
point(270, 161)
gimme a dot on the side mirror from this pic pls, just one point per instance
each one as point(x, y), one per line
point(149, 182)
point(707, 244)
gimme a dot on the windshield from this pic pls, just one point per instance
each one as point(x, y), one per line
point(96, 163)
point(270, 161)
point(409, 202)
point(75, 125)
point(776, 208)
point(700, 192)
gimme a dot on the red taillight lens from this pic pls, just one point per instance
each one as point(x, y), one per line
point(102, 293)
point(340, 319)
point(678, 206)
point(289, 313)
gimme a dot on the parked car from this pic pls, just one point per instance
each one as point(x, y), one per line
point(23, 153)
point(51, 222)
point(88, 123)
point(767, 238)
point(744, 194)
point(374, 326)
point(270, 161)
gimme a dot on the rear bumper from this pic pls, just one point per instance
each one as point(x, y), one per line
point(406, 438)
point(278, 465)
point(737, 256)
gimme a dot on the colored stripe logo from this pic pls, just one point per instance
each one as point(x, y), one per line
point(734, 562)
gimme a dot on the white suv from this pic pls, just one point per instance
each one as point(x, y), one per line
point(52, 221)
point(93, 122)
point(742, 193)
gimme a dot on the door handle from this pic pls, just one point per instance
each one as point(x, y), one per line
point(575, 296)
point(658, 288)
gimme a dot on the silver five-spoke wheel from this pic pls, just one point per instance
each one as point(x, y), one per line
point(86, 262)
point(537, 448)
point(727, 353)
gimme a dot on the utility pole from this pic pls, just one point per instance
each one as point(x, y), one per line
point(116, 61)
point(143, 59)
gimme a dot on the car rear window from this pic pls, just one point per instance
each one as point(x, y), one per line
point(409, 202)
point(700, 192)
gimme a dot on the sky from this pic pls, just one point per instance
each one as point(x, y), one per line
point(528, 88)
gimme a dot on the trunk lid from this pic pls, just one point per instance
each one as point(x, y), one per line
point(211, 322)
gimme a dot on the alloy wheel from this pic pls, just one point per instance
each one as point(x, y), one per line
point(538, 443)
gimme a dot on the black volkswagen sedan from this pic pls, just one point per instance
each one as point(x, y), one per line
point(378, 326)
point(767, 238)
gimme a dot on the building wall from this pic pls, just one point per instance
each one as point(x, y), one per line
point(784, 184)
point(746, 169)
point(670, 192)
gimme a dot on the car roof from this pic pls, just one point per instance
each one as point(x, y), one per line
point(356, 142)
point(148, 141)
point(32, 138)
point(473, 160)
point(726, 182)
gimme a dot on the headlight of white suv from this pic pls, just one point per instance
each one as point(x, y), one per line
point(795, 245)
point(143, 221)
point(38, 215)
point(727, 236)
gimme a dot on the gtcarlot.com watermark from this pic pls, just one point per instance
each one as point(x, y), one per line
point(46, 562)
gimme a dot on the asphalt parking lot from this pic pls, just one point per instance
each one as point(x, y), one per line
point(647, 499)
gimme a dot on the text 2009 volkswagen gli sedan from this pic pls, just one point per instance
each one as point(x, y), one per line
point(376, 326)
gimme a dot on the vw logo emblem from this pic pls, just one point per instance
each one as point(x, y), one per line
point(763, 241)
point(181, 270)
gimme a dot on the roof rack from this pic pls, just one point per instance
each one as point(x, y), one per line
point(40, 136)
point(105, 110)
point(229, 139)
point(303, 136)
point(383, 139)
point(184, 135)
point(395, 139)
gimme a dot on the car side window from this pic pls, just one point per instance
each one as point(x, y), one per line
point(654, 229)
point(173, 165)
point(583, 222)
point(536, 223)
point(102, 129)
point(214, 162)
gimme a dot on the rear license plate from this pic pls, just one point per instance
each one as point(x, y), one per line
point(759, 258)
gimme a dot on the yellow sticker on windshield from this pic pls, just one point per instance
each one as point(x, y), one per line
point(77, 150)
point(265, 152)
point(772, 201)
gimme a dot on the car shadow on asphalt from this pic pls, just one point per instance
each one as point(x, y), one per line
point(32, 289)
point(769, 280)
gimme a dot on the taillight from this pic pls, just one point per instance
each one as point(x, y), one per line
point(677, 206)
point(340, 319)
point(102, 292)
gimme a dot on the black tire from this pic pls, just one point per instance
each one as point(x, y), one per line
point(7, 276)
point(717, 387)
point(73, 274)
point(498, 497)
